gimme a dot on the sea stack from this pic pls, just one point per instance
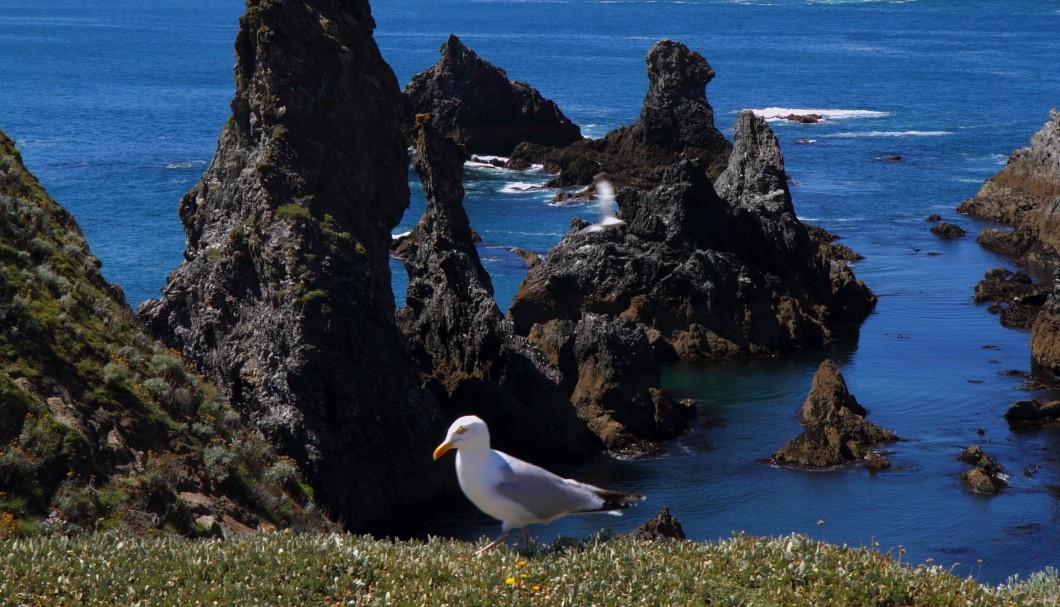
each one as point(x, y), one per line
point(707, 273)
point(473, 102)
point(467, 352)
point(836, 432)
point(676, 120)
point(284, 300)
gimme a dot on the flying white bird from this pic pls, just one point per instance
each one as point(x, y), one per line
point(605, 193)
point(518, 493)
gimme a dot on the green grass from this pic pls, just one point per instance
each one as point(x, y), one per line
point(319, 569)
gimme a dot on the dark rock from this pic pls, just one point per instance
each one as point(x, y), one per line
point(1026, 195)
point(890, 158)
point(804, 118)
point(715, 276)
point(948, 230)
point(876, 462)
point(827, 246)
point(675, 120)
point(471, 101)
point(986, 477)
point(934, 217)
point(614, 378)
point(463, 345)
point(284, 300)
point(663, 528)
point(531, 259)
point(1045, 335)
point(836, 432)
point(1012, 295)
point(1034, 414)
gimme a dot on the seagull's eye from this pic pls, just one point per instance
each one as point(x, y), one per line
point(460, 430)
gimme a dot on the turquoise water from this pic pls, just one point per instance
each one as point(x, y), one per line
point(117, 108)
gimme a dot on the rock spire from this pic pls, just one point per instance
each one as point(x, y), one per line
point(284, 300)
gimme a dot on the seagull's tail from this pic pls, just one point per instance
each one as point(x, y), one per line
point(617, 500)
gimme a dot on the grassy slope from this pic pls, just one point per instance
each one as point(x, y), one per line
point(99, 424)
point(318, 569)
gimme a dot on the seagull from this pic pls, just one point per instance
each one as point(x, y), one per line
point(518, 493)
point(605, 193)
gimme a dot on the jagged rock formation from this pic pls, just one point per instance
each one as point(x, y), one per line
point(1034, 414)
point(471, 101)
point(986, 477)
point(284, 299)
point(948, 231)
point(100, 424)
point(1013, 295)
point(836, 432)
point(614, 380)
point(675, 120)
point(1045, 334)
point(1026, 195)
point(466, 350)
point(663, 528)
point(710, 274)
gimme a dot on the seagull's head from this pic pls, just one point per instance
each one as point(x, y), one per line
point(465, 432)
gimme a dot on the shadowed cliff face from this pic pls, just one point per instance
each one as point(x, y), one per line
point(284, 299)
point(466, 350)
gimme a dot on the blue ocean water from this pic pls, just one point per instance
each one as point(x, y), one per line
point(117, 106)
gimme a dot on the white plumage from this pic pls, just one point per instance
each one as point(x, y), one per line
point(515, 492)
point(605, 194)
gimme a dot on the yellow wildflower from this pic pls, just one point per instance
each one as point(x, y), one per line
point(509, 581)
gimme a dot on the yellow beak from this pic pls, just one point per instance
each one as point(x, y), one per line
point(442, 448)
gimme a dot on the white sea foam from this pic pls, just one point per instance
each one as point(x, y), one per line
point(187, 164)
point(518, 187)
point(891, 134)
point(778, 113)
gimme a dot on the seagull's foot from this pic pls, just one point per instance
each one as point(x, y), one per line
point(503, 537)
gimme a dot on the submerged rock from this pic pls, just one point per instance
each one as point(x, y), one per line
point(1026, 195)
point(675, 120)
point(471, 101)
point(714, 276)
point(1034, 414)
point(948, 230)
point(284, 299)
point(466, 350)
point(986, 477)
point(1013, 295)
point(835, 432)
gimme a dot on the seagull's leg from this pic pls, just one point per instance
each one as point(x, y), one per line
point(502, 538)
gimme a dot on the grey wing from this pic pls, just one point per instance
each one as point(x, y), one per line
point(544, 494)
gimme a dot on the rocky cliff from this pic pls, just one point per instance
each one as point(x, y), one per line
point(99, 424)
point(466, 350)
point(471, 101)
point(836, 431)
point(1045, 335)
point(675, 120)
point(1026, 195)
point(708, 273)
point(284, 300)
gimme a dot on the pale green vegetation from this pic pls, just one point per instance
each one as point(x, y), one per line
point(320, 569)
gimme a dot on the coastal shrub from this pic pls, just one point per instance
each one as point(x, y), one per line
point(293, 212)
point(116, 568)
